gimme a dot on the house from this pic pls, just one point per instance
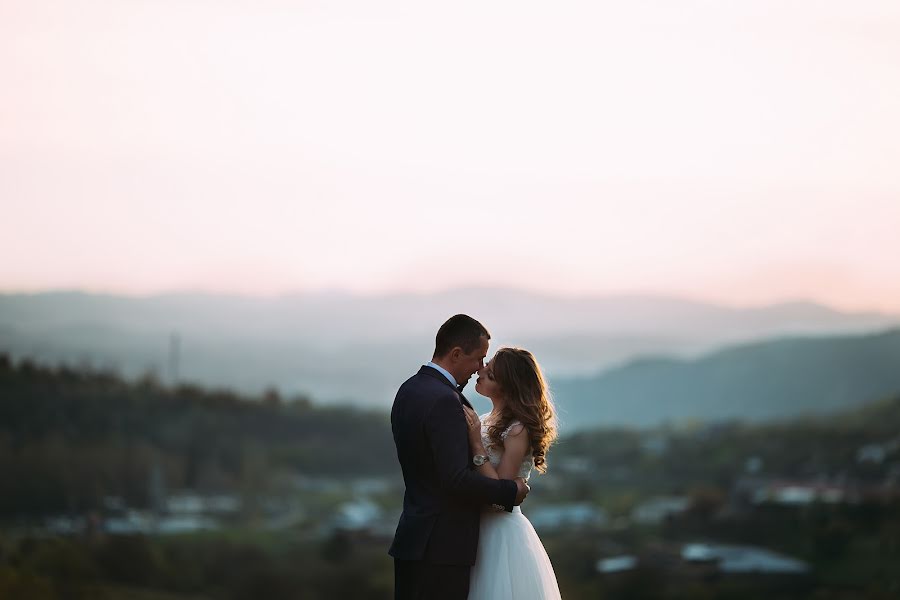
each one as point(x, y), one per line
point(738, 560)
point(801, 493)
point(562, 516)
point(357, 515)
point(657, 510)
point(617, 564)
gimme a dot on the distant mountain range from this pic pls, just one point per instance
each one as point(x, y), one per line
point(761, 381)
point(344, 347)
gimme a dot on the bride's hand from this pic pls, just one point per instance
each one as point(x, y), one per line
point(474, 425)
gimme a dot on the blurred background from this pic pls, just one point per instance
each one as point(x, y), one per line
point(230, 231)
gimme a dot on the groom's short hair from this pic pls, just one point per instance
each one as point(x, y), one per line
point(459, 330)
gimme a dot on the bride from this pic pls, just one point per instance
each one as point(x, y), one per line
point(510, 441)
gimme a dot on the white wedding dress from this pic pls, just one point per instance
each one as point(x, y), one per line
point(511, 563)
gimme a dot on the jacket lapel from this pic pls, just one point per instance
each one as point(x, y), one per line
point(426, 370)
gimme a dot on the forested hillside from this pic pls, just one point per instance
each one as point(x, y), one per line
point(70, 437)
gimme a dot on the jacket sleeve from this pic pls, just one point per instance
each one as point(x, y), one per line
point(445, 425)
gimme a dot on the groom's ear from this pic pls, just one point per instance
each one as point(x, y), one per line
point(456, 353)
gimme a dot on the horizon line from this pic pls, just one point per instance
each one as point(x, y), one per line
point(380, 294)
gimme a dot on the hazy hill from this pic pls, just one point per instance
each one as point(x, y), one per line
point(759, 381)
point(336, 346)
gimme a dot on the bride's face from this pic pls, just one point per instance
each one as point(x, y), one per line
point(486, 385)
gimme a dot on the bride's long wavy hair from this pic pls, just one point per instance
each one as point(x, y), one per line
point(527, 396)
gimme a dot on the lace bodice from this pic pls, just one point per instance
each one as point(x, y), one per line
point(494, 454)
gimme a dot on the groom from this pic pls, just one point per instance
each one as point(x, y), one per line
point(437, 536)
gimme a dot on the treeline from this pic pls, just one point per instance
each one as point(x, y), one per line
point(69, 437)
point(820, 448)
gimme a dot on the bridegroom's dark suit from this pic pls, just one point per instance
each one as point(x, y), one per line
point(437, 536)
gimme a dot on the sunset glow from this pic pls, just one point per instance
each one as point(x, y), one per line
point(742, 152)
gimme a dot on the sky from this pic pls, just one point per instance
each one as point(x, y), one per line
point(734, 152)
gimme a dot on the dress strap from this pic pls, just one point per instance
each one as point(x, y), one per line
point(508, 429)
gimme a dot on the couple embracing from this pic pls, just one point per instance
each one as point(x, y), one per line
point(462, 534)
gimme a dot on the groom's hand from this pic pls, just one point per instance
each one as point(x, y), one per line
point(522, 490)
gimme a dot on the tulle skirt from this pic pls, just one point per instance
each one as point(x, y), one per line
point(511, 562)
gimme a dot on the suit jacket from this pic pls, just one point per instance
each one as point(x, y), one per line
point(444, 495)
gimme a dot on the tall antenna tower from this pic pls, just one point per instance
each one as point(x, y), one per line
point(174, 357)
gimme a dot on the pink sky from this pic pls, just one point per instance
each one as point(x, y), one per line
point(740, 152)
